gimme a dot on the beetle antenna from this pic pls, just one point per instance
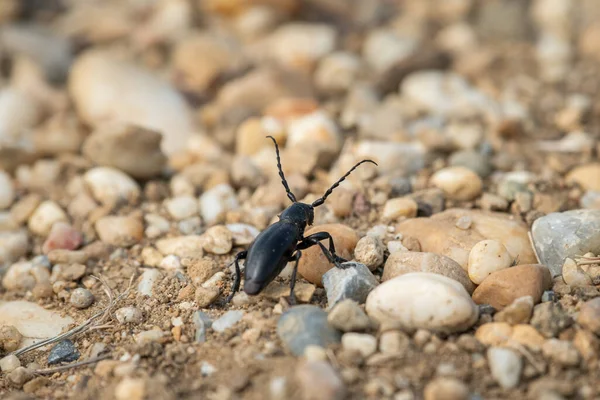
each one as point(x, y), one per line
point(290, 195)
point(320, 201)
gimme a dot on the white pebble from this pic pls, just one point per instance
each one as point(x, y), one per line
point(170, 262)
point(148, 280)
point(182, 207)
point(227, 320)
point(487, 257)
point(363, 343)
point(369, 251)
point(458, 183)
point(45, 215)
point(127, 315)
point(243, 234)
point(216, 201)
point(506, 366)
point(573, 275)
point(9, 363)
point(401, 207)
point(315, 132)
point(217, 240)
point(395, 246)
point(110, 186)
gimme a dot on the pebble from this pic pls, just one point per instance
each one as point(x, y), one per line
point(120, 231)
point(399, 302)
point(81, 298)
point(217, 240)
point(393, 342)
point(458, 183)
point(9, 363)
point(550, 319)
point(384, 48)
point(506, 366)
point(7, 191)
point(182, 207)
point(152, 335)
point(107, 89)
point(10, 338)
point(205, 296)
point(475, 161)
point(315, 133)
point(347, 316)
point(45, 216)
point(439, 234)
point(19, 376)
point(315, 353)
point(369, 251)
point(362, 343)
point(306, 325)
point(170, 262)
point(407, 158)
point(63, 351)
point(62, 236)
point(589, 315)
point(109, 186)
point(227, 320)
point(242, 234)
point(129, 315)
point(13, 245)
point(354, 281)
point(401, 207)
point(130, 389)
point(518, 312)
point(337, 72)
point(216, 201)
point(149, 278)
point(557, 236)
point(404, 262)
point(203, 322)
point(24, 276)
point(585, 176)
point(573, 275)
point(528, 336)
point(561, 352)
point(494, 333)
point(446, 388)
point(313, 263)
point(503, 287)
point(181, 246)
point(129, 148)
point(486, 257)
point(303, 291)
point(319, 381)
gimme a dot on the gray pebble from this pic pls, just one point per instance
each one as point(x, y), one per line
point(203, 322)
point(353, 282)
point(476, 162)
point(306, 325)
point(227, 320)
point(63, 351)
point(81, 298)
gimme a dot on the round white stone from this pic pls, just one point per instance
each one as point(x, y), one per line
point(486, 257)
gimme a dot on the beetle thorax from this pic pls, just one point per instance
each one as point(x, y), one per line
point(300, 214)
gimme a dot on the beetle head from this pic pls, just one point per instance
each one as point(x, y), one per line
point(300, 214)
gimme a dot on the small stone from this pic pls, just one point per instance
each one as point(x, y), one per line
point(24, 276)
point(129, 315)
point(362, 343)
point(475, 161)
point(494, 334)
point(81, 298)
point(315, 353)
point(393, 342)
point(203, 322)
point(587, 344)
point(503, 287)
point(152, 335)
point(13, 245)
point(205, 296)
point(9, 363)
point(207, 369)
point(550, 319)
point(353, 281)
point(369, 251)
point(200, 269)
point(458, 183)
point(528, 336)
point(589, 316)
point(303, 291)
point(170, 262)
point(319, 381)
point(45, 216)
point(148, 280)
point(216, 201)
point(573, 275)
point(278, 388)
point(227, 320)
point(10, 338)
point(347, 316)
point(182, 207)
point(36, 384)
point(518, 312)
point(585, 176)
point(218, 240)
point(19, 376)
point(130, 389)
point(119, 230)
point(181, 246)
point(464, 223)
point(242, 234)
point(109, 186)
point(337, 72)
point(399, 207)
point(7, 191)
point(62, 236)
point(506, 366)
point(446, 389)
point(151, 257)
point(63, 351)
point(486, 257)
point(561, 352)
point(398, 302)
point(306, 325)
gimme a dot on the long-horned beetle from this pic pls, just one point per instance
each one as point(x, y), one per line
point(283, 241)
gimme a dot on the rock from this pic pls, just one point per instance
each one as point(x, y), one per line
point(550, 319)
point(486, 257)
point(200, 269)
point(503, 287)
point(315, 134)
point(242, 234)
point(475, 161)
point(439, 234)
point(585, 176)
point(203, 322)
point(313, 263)
point(404, 262)
point(130, 389)
point(518, 312)
point(216, 201)
point(150, 336)
point(62, 236)
point(306, 325)
point(393, 342)
point(506, 366)
point(458, 183)
point(45, 216)
point(181, 246)
point(528, 336)
point(446, 389)
point(401, 207)
point(13, 245)
point(362, 343)
point(353, 281)
point(369, 251)
point(110, 186)
point(81, 298)
point(119, 230)
point(315, 353)
point(227, 320)
point(107, 89)
point(182, 207)
point(561, 352)
point(217, 240)
point(10, 338)
point(9, 363)
point(557, 236)
point(385, 48)
point(63, 351)
point(587, 344)
point(337, 72)
point(170, 262)
point(24, 276)
point(205, 296)
point(303, 291)
point(19, 376)
point(129, 315)
point(7, 192)
point(129, 148)
point(404, 158)
point(148, 280)
point(399, 302)
point(347, 316)
point(573, 275)
point(494, 333)
point(589, 315)
point(319, 381)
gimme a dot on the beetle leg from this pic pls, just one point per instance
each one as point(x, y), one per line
point(238, 275)
point(315, 239)
point(297, 256)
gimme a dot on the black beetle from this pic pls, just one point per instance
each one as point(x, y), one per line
point(281, 242)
